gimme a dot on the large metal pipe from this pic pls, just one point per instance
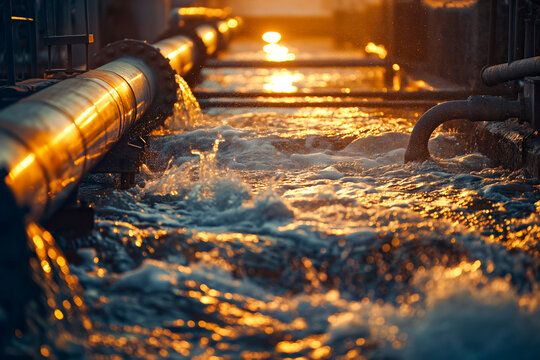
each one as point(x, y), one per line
point(180, 50)
point(475, 108)
point(188, 18)
point(50, 140)
point(209, 36)
point(181, 15)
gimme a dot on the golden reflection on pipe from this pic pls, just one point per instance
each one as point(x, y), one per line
point(20, 167)
point(52, 138)
point(202, 11)
point(62, 131)
point(180, 52)
point(209, 37)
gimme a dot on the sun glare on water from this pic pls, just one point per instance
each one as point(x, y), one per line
point(274, 51)
point(271, 37)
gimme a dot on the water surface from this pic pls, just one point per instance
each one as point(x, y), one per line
point(300, 234)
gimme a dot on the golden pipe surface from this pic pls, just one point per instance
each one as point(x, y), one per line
point(51, 139)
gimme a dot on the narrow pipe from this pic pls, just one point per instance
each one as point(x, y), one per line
point(528, 51)
point(238, 103)
point(518, 69)
point(475, 108)
point(300, 63)
point(207, 41)
point(386, 95)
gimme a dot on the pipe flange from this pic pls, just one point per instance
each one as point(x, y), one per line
point(193, 76)
point(166, 93)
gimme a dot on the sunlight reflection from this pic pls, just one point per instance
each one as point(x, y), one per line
point(283, 82)
point(275, 52)
point(379, 50)
point(272, 37)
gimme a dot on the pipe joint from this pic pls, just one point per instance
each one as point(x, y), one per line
point(163, 78)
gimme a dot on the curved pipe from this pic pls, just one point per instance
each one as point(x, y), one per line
point(497, 74)
point(475, 108)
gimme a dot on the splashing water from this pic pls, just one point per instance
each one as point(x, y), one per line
point(262, 245)
point(207, 161)
point(300, 234)
point(187, 112)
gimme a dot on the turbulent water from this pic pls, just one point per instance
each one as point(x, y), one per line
point(300, 234)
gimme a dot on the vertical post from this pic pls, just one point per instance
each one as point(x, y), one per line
point(87, 31)
point(69, 59)
point(8, 52)
point(32, 35)
point(529, 38)
point(49, 50)
point(512, 24)
point(536, 35)
point(492, 32)
point(55, 29)
point(49, 54)
point(389, 42)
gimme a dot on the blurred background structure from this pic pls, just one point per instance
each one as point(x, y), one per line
point(448, 38)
